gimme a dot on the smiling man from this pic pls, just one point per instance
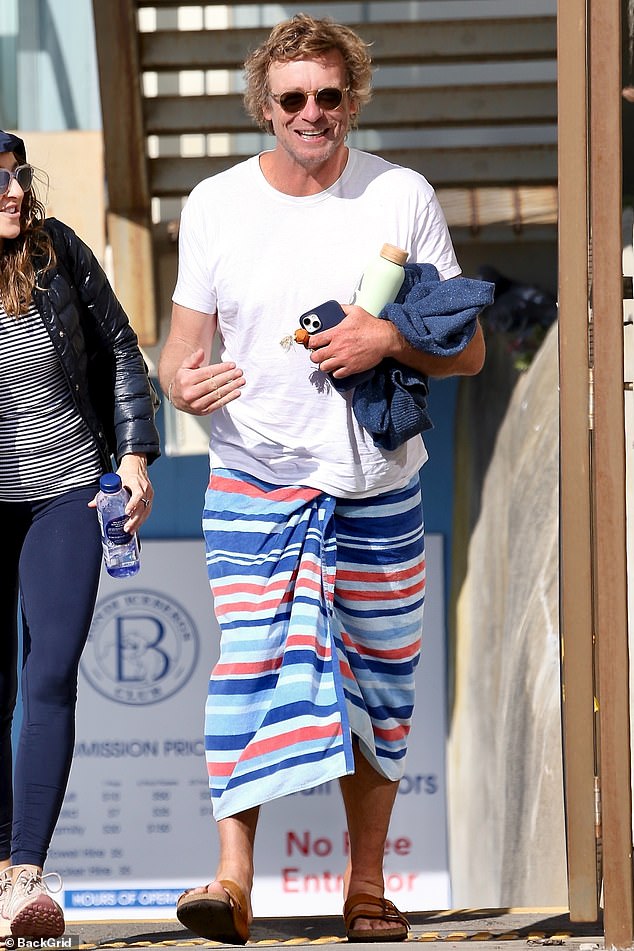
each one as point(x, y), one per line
point(314, 533)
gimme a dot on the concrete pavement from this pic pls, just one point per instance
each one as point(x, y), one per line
point(504, 927)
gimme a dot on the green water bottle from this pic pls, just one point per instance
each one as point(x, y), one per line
point(381, 280)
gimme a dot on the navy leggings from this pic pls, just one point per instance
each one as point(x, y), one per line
point(53, 552)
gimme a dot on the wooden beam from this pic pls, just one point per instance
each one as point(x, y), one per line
point(576, 620)
point(429, 42)
point(415, 108)
point(129, 221)
point(609, 469)
point(133, 250)
point(172, 177)
point(473, 167)
point(522, 209)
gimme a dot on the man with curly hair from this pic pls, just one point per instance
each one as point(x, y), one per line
point(314, 534)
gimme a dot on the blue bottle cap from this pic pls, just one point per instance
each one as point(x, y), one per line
point(110, 482)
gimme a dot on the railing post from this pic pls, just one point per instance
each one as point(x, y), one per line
point(609, 469)
point(575, 493)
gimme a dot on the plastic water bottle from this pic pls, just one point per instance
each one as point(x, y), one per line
point(381, 280)
point(120, 548)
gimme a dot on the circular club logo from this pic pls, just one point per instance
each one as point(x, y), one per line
point(141, 649)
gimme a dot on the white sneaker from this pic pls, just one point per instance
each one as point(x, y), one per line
point(5, 895)
point(32, 911)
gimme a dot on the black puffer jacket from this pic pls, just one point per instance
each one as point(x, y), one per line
point(98, 349)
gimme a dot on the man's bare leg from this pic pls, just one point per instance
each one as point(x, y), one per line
point(237, 838)
point(369, 800)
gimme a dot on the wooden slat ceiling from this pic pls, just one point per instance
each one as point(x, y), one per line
point(452, 102)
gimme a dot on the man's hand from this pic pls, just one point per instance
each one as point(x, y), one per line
point(361, 341)
point(200, 388)
point(358, 343)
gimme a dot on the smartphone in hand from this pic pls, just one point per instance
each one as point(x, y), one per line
point(324, 317)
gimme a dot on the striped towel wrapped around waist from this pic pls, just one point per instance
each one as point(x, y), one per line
point(320, 603)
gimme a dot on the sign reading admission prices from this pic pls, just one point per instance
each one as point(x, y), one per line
point(136, 825)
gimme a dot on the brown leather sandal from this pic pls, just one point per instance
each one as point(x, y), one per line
point(210, 917)
point(370, 906)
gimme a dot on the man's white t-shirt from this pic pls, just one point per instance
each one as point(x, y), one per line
point(261, 258)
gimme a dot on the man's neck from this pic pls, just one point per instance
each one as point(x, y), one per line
point(290, 178)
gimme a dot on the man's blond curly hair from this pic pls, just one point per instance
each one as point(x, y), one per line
point(304, 36)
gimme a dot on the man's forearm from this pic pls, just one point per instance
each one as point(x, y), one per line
point(466, 363)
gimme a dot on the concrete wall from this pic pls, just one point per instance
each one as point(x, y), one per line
point(72, 161)
point(506, 817)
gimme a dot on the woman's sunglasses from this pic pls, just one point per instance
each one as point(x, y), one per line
point(294, 101)
point(23, 175)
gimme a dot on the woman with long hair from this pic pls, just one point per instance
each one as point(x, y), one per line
point(75, 396)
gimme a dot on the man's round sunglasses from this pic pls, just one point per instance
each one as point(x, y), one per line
point(23, 175)
point(294, 101)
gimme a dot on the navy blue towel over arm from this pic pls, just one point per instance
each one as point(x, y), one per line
point(437, 317)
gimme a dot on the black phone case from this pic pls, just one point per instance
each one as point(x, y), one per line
point(323, 317)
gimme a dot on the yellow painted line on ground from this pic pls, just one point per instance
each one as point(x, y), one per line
point(326, 940)
point(537, 937)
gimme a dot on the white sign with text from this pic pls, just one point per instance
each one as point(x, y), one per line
point(136, 825)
